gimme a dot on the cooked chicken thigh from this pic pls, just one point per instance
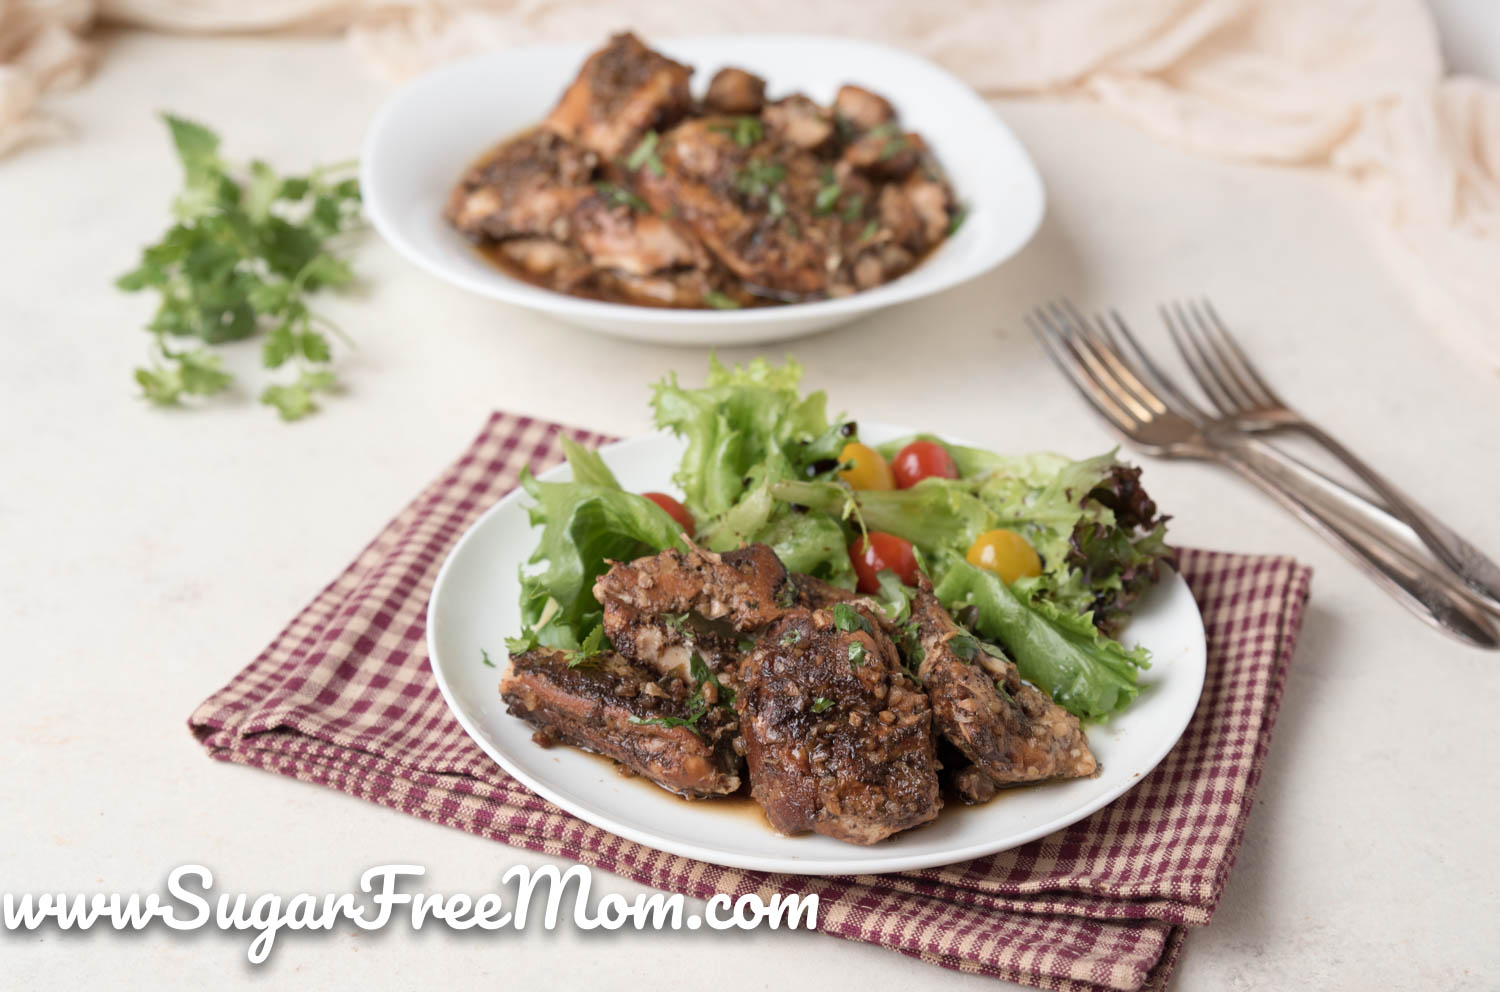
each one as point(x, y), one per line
point(838, 739)
point(624, 90)
point(1008, 728)
point(614, 707)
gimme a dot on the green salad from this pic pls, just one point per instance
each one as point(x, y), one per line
point(1042, 557)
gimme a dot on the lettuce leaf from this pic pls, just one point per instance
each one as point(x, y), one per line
point(1061, 652)
point(740, 421)
point(582, 524)
point(587, 465)
point(933, 514)
point(748, 430)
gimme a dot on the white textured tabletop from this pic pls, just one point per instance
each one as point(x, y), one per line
point(146, 556)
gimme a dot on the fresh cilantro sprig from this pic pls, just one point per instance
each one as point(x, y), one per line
point(246, 250)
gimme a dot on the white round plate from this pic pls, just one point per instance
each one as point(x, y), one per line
point(475, 607)
point(429, 132)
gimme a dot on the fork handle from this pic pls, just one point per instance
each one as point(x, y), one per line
point(1419, 587)
point(1473, 568)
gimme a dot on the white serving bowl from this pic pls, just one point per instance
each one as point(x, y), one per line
point(429, 132)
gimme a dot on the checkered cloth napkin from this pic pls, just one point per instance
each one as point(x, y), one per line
point(344, 697)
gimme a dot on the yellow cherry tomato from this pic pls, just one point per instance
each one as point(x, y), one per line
point(1006, 553)
point(869, 469)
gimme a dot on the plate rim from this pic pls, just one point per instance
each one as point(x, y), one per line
point(772, 863)
point(561, 305)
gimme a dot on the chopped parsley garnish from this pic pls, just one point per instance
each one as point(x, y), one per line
point(677, 621)
point(964, 646)
point(787, 597)
point(745, 131)
point(619, 196)
point(911, 642)
point(593, 645)
point(910, 647)
point(854, 207)
point(484, 656)
point(719, 301)
point(827, 199)
point(871, 229)
point(746, 645)
point(960, 214)
point(520, 645)
point(645, 154)
point(857, 654)
point(791, 637)
point(822, 704)
point(849, 620)
point(759, 178)
point(698, 703)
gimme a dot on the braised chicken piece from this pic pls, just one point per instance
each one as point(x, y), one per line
point(799, 121)
point(666, 642)
point(1011, 731)
point(837, 737)
point(648, 197)
point(535, 202)
point(529, 186)
point(749, 203)
point(664, 729)
point(747, 588)
point(735, 91)
point(619, 238)
point(972, 786)
point(862, 109)
point(624, 90)
point(885, 152)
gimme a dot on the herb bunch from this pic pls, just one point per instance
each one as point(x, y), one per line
point(246, 250)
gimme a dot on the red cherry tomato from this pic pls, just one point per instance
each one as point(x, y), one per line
point(880, 552)
point(675, 510)
point(922, 460)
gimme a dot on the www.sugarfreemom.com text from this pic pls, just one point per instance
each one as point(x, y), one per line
point(189, 904)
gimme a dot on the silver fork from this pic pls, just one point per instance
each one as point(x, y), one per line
point(1144, 406)
point(1245, 402)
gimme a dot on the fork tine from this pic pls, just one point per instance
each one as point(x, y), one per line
point(1220, 362)
point(1108, 350)
point(1056, 335)
point(1152, 373)
point(1063, 357)
point(1181, 332)
point(1077, 336)
point(1261, 392)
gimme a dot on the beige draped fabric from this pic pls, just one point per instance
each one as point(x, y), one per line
point(1354, 86)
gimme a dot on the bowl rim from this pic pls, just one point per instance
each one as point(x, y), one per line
point(497, 285)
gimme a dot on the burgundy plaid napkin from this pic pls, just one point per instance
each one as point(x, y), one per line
point(344, 697)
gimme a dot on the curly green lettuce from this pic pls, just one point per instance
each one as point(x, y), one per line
point(585, 523)
point(747, 430)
